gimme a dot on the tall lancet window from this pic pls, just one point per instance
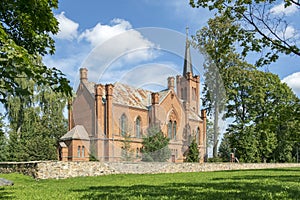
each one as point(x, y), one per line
point(78, 152)
point(170, 129)
point(82, 151)
point(174, 130)
point(172, 126)
point(123, 125)
point(138, 127)
point(197, 135)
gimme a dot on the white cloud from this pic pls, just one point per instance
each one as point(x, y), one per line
point(293, 81)
point(67, 27)
point(115, 46)
point(280, 9)
point(101, 33)
point(103, 47)
point(290, 32)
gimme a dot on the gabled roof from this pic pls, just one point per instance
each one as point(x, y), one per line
point(90, 87)
point(163, 94)
point(129, 96)
point(62, 144)
point(78, 132)
point(194, 116)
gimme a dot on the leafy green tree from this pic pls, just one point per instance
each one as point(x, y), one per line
point(155, 146)
point(258, 102)
point(218, 49)
point(225, 149)
point(36, 124)
point(193, 152)
point(260, 26)
point(3, 141)
point(209, 134)
point(25, 35)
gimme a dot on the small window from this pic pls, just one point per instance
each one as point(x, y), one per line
point(137, 152)
point(197, 135)
point(82, 152)
point(138, 127)
point(123, 125)
point(182, 95)
point(194, 93)
point(78, 152)
point(174, 130)
point(170, 129)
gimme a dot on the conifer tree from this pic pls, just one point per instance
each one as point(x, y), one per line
point(155, 146)
point(193, 152)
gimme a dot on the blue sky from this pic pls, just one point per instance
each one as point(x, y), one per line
point(139, 42)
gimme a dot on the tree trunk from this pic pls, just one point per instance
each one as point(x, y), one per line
point(216, 132)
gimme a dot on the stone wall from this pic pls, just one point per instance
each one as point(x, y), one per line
point(27, 168)
point(59, 169)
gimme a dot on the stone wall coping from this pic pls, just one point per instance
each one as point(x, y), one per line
point(67, 169)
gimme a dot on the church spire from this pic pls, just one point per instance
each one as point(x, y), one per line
point(187, 66)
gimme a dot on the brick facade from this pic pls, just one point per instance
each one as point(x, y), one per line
point(108, 112)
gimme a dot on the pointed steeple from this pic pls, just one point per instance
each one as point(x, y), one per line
point(187, 66)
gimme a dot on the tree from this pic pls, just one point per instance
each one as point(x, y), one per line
point(127, 152)
point(218, 49)
point(193, 152)
point(155, 146)
point(259, 104)
point(35, 124)
point(3, 141)
point(261, 26)
point(209, 134)
point(25, 36)
point(225, 149)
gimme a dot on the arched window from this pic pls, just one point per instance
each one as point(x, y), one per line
point(174, 130)
point(197, 135)
point(138, 127)
point(137, 152)
point(181, 91)
point(170, 129)
point(194, 93)
point(82, 151)
point(78, 152)
point(123, 125)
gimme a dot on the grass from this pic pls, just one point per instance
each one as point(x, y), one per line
point(248, 184)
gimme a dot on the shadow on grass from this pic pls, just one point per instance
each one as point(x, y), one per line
point(4, 194)
point(247, 187)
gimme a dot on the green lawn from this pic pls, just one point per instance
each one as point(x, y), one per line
point(250, 184)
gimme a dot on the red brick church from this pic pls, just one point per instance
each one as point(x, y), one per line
point(101, 115)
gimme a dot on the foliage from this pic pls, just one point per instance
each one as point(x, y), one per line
point(265, 116)
point(251, 184)
point(127, 152)
point(25, 36)
point(259, 27)
point(193, 152)
point(35, 125)
point(155, 146)
point(225, 149)
point(209, 133)
point(3, 141)
point(215, 160)
point(218, 49)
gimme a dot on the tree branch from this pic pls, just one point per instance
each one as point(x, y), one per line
point(286, 47)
